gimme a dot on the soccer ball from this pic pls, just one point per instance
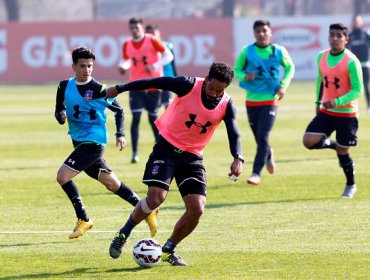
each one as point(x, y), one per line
point(147, 252)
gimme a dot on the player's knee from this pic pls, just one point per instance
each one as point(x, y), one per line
point(147, 206)
point(154, 202)
point(110, 182)
point(112, 187)
point(156, 198)
point(196, 213)
point(307, 143)
point(61, 178)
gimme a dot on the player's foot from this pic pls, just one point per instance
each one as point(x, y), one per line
point(152, 222)
point(270, 163)
point(135, 159)
point(81, 227)
point(254, 179)
point(173, 259)
point(349, 191)
point(116, 246)
point(368, 110)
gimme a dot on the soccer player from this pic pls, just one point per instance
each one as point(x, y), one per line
point(339, 84)
point(81, 101)
point(359, 44)
point(257, 67)
point(185, 129)
point(169, 70)
point(144, 56)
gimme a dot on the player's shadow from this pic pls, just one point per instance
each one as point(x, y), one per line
point(130, 269)
point(222, 205)
point(30, 244)
point(50, 275)
point(81, 271)
point(233, 204)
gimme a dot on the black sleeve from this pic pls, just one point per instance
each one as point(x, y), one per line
point(179, 85)
point(119, 118)
point(233, 132)
point(59, 104)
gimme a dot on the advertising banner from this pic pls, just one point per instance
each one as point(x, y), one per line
point(40, 52)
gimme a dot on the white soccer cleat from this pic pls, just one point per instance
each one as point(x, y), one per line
point(254, 179)
point(349, 191)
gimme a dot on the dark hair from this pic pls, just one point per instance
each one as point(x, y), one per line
point(82, 52)
point(339, 26)
point(221, 72)
point(150, 28)
point(261, 22)
point(135, 20)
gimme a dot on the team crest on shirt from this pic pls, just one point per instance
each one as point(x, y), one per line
point(88, 94)
point(155, 170)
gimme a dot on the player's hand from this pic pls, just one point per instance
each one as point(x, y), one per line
point(149, 68)
point(329, 104)
point(121, 70)
point(236, 168)
point(249, 76)
point(61, 117)
point(121, 142)
point(279, 93)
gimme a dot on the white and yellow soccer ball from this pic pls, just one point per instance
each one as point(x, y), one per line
point(147, 252)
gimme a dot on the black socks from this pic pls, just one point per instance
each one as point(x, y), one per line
point(127, 194)
point(348, 166)
point(71, 190)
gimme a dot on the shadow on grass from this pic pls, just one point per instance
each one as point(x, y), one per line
point(233, 204)
point(30, 244)
point(221, 205)
point(70, 274)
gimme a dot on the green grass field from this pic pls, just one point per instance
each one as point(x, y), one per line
point(293, 226)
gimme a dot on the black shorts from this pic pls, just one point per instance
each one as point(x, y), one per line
point(145, 100)
point(345, 128)
point(166, 97)
point(88, 157)
point(166, 162)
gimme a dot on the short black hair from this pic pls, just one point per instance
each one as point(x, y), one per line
point(339, 26)
point(135, 20)
point(261, 22)
point(82, 52)
point(221, 71)
point(150, 28)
